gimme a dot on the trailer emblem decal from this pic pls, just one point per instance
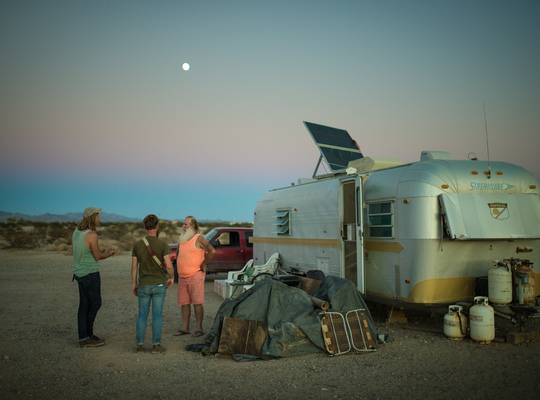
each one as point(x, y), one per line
point(499, 210)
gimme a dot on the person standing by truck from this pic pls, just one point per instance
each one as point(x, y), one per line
point(86, 254)
point(194, 253)
point(150, 281)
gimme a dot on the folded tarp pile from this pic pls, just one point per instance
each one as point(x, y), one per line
point(294, 327)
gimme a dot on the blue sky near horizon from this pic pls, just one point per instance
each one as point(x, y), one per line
point(95, 109)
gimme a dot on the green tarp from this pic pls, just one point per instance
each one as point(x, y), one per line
point(294, 327)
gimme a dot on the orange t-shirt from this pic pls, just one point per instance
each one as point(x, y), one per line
point(189, 258)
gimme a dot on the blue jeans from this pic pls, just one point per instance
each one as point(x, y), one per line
point(89, 304)
point(154, 294)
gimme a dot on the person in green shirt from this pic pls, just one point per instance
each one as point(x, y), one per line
point(86, 254)
point(150, 281)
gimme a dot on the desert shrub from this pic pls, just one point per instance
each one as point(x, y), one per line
point(127, 243)
point(19, 239)
point(56, 236)
point(169, 231)
point(60, 245)
point(35, 235)
point(57, 230)
point(212, 225)
point(117, 230)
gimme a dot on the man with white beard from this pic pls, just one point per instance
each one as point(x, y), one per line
point(194, 253)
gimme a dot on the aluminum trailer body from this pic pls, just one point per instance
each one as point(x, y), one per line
point(405, 234)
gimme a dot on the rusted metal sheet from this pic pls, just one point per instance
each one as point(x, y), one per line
point(242, 336)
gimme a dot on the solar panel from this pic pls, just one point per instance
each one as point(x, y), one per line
point(336, 145)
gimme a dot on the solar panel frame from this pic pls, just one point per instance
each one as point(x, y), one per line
point(335, 145)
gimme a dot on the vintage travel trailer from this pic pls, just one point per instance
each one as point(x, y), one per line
point(414, 234)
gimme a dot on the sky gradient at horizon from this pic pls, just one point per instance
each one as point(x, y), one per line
point(96, 109)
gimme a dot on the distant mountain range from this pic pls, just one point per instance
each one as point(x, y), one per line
point(76, 217)
point(70, 217)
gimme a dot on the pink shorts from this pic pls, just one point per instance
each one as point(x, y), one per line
point(191, 289)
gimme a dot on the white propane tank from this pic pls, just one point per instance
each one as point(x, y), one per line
point(482, 321)
point(500, 283)
point(455, 323)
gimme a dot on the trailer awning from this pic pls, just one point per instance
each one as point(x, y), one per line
point(491, 215)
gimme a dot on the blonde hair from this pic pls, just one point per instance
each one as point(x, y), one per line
point(88, 223)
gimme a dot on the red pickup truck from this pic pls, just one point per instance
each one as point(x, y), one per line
point(233, 249)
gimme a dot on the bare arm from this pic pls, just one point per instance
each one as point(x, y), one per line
point(134, 270)
point(170, 271)
point(91, 242)
point(202, 243)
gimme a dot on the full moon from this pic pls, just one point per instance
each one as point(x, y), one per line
point(185, 66)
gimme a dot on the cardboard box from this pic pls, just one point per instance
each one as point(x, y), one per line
point(218, 287)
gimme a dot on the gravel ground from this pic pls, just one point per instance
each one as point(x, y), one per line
point(41, 358)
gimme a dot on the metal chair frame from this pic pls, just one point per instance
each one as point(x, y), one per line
point(348, 330)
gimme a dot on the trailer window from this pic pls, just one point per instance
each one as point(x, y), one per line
point(380, 217)
point(283, 222)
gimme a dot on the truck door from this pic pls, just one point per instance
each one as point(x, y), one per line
point(359, 195)
point(229, 252)
point(248, 248)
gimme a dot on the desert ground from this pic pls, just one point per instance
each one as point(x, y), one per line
point(41, 358)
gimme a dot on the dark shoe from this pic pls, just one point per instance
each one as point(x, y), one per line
point(97, 339)
point(158, 349)
point(181, 332)
point(198, 333)
point(91, 342)
point(140, 348)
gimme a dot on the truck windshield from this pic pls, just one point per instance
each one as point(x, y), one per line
point(211, 235)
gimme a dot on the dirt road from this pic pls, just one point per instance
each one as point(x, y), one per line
point(41, 358)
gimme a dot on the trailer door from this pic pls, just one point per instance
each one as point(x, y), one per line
point(361, 277)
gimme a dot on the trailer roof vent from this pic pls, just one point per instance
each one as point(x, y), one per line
point(283, 222)
point(428, 155)
point(373, 163)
